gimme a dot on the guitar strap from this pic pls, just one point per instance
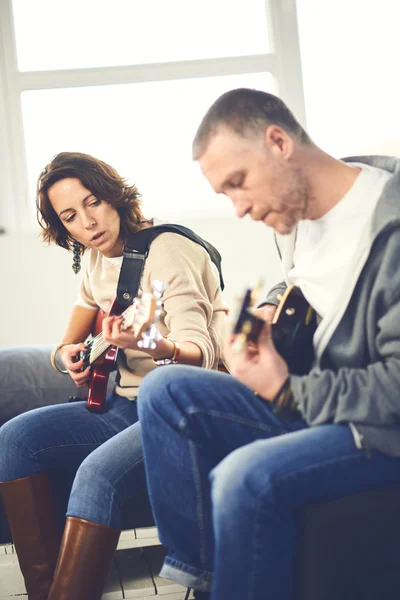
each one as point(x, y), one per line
point(135, 253)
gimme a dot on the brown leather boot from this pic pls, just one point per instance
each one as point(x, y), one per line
point(85, 559)
point(36, 530)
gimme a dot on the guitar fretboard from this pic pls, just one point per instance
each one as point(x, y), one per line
point(99, 345)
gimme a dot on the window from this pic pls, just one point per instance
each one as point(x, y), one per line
point(100, 33)
point(144, 130)
point(129, 82)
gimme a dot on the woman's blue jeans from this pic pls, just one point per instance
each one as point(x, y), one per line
point(230, 476)
point(104, 449)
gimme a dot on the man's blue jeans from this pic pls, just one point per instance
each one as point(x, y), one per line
point(104, 450)
point(226, 476)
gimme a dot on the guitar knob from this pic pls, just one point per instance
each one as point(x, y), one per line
point(290, 311)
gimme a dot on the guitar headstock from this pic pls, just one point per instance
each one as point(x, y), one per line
point(143, 315)
point(139, 314)
point(247, 326)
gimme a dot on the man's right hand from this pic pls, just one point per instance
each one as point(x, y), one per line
point(69, 356)
point(266, 312)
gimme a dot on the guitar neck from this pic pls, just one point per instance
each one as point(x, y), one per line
point(98, 347)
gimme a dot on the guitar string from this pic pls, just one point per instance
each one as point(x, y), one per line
point(99, 344)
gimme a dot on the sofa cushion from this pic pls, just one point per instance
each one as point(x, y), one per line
point(27, 380)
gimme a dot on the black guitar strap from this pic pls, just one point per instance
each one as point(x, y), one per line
point(135, 253)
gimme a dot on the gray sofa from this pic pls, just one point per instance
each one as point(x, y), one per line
point(28, 381)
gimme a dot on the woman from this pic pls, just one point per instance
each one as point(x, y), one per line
point(83, 204)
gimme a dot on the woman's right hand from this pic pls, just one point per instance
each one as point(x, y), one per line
point(69, 356)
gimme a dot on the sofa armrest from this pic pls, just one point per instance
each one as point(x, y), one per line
point(27, 381)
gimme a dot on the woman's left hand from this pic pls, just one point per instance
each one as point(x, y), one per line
point(126, 340)
point(257, 365)
point(122, 338)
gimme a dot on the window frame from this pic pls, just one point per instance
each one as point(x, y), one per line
point(283, 62)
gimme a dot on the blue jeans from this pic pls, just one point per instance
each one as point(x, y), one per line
point(103, 449)
point(226, 477)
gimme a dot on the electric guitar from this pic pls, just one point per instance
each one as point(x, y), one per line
point(292, 328)
point(142, 315)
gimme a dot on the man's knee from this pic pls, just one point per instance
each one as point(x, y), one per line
point(164, 382)
point(155, 384)
point(228, 480)
point(246, 473)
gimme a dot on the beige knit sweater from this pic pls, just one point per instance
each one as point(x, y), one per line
point(193, 306)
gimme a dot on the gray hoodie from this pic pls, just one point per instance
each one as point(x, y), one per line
point(356, 374)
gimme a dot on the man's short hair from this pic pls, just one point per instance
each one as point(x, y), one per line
point(246, 111)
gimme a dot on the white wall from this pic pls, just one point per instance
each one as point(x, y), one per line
point(349, 55)
point(39, 286)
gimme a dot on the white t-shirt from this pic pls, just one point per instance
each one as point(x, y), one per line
point(325, 247)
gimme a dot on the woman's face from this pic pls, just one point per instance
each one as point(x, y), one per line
point(92, 222)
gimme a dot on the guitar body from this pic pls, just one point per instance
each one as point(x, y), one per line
point(99, 376)
point(103, 365)
point(142, 316)
point(292, 328)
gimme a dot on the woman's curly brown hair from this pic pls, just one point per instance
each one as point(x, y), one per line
point(100, 179)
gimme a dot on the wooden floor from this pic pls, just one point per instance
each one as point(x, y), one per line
point(134, 574)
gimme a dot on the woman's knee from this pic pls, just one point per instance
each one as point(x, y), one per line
point(17, 447)
point(91, 475)
point(8, 437)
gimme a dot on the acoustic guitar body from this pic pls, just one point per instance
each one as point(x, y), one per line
point(292, 328)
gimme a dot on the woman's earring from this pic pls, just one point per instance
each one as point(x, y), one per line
point(77, 251)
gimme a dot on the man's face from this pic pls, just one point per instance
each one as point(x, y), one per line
point(256, 173)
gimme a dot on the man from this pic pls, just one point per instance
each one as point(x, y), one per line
point(226, 471)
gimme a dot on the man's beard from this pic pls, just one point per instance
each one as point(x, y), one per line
point(298, 188)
